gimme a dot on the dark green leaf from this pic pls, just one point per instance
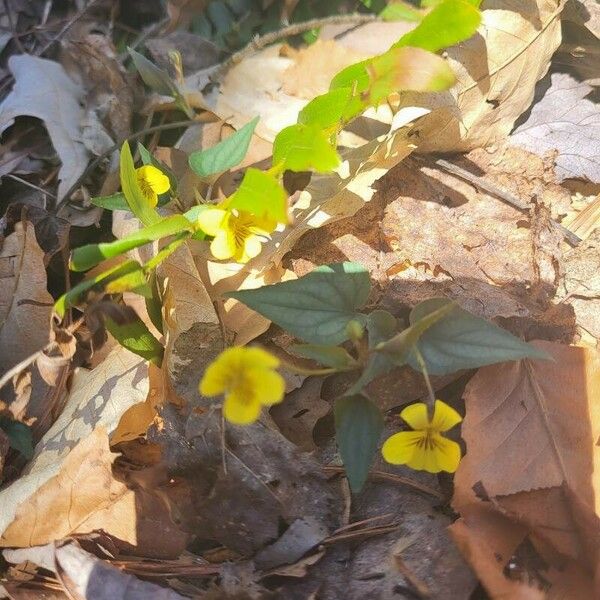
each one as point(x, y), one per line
point(463, 341)
point(316, 307)
point(19, 436)
point(381, 326)
point(358, 426)
point(113, 202)
point(226, 154)
point(89, 256)
point(330, 356)
point(136, 337)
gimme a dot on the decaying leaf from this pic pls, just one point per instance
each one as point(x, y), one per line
point(565, 120)
point(44, 90)
point(531, 430)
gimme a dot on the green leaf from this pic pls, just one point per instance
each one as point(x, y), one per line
point(128, 276)
point(461, 340)
point(401, 11)
point(136, 337)
point(358, 426)
point(304, 148)
point(261, 194)
point(317, 307)
point(449, 23)
point(153, 303)
point(400, 68)
point(113, 202)
point(399, 347)
point(19, 436)
point(138, 204)
point(226, 154)
point(89, 256)
point(330, 356)
point(154, 77)
point(331, 111)
point(381, 326)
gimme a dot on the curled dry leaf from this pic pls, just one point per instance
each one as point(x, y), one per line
point(497, 70)
point(531, 429)
point(44, 90)
point(86, 576)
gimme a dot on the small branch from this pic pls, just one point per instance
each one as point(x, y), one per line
point(31, 185)
point(296, 28)
point(430, 390)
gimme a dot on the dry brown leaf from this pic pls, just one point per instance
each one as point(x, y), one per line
point(497, 71)
point(531, 430)
point(97, 399)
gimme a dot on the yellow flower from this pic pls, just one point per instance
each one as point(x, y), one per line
point(425, 449)
point(247, 378)
point(152, 182)
point(237, 234)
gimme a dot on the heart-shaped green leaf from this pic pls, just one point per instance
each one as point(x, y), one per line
point(317, 307)
point(358, 427)
point(226, 154)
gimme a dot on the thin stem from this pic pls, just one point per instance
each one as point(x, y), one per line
point(31, 185)
point(421, 361)
point(306, 371)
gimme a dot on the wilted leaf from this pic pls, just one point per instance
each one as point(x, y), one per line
point(226, 154)
point(44, 90)
point(358, 426)
point(565, 119)
point(316, 307)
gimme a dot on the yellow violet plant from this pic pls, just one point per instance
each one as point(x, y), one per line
point(248, 380)
point(425, 448)
point(152, 182)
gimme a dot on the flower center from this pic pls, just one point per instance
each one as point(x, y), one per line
point(146, 188)
point(428, 440)
point(240, 229)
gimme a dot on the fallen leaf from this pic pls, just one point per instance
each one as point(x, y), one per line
point(44, 90)
point(531, 429)
point(86, 576)
point(586, 12)
point(496, 70)
point(563, 118)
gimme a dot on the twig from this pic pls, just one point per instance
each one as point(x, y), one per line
point(31, 185)
point(296, 28)
point(115, 147)
point(497, 192)
point(13, 28)
point(382, 475)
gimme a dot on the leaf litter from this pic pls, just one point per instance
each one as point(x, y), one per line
point(136, 481)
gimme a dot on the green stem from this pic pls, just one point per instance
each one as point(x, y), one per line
point(421, 361)
point(306, 371)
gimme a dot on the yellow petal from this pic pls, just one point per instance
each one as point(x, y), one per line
point(155, 178)
point(444, 417)
point(250, 249)
point(416, 416)
point(400, 448)
point(269, 386)
point(253, 356)
point(241, 410)
point(211, 220)
point(214, 381)
point(447, 453)
point(223, 246)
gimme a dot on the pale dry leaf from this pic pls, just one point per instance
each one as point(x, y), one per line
point(86, 576)
point(44, 90)
point(25, 304)
point(531, 429)
point(564, 119)
point(496, 70)
point(97, 399)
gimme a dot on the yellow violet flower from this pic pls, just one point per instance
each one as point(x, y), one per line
point(247, 378)
point(425, 449)
point(152, 182)
point(237, 234)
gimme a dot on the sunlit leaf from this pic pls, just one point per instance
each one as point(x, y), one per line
point(401, 11)
point(226, 154)
point(136, 337)
point(317, 307)
point(304, 148)
point(261, 194)
point(332, 110)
